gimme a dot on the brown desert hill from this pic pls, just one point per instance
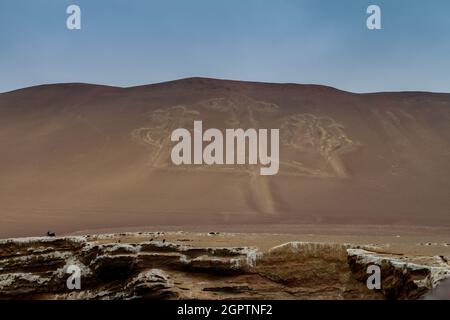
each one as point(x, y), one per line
point(80, 156)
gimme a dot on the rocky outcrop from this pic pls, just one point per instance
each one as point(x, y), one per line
point(143, 268)
point(402, 277)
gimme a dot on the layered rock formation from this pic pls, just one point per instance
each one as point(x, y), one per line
point(135, 266)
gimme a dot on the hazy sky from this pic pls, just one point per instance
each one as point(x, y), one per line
point(133, 42)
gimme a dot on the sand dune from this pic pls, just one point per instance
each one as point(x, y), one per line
point(79, 156)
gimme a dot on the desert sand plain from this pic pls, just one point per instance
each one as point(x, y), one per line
point(80, 156)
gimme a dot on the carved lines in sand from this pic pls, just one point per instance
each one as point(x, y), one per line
point(156, 135)
point(308, 132)
point(303, 132)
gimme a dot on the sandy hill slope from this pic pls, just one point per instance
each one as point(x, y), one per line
point(79, 156)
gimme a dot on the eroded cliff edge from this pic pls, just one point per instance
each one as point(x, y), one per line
point(144, 266)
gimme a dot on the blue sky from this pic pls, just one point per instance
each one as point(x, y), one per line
point(133, 42)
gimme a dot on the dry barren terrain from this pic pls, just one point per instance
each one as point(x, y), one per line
point(79, 156)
